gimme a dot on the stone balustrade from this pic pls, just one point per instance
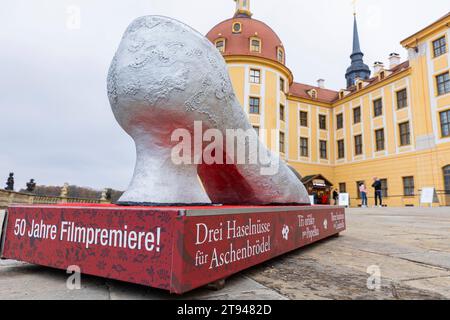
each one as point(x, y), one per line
point(11, 197)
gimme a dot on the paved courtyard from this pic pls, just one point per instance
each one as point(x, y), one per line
point(410, 247)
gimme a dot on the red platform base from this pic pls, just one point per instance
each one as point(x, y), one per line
point(171, 248)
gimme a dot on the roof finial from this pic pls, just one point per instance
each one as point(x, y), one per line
point(243, 8)
point(354, 6)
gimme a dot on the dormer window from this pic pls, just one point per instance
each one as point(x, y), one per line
point(382, 75)
point(280, 55)
point(313, 93)
point(343, 93)
point(237, 27)
point(359, 85)
point(220, 45)
point(255, 45)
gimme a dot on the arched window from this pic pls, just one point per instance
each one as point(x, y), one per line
point(255, 45)
point(220, 45)
point(446, 171)
point(359, 84)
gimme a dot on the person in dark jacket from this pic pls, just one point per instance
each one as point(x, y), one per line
point(335, 197)
point(316, 197)
point(378, 193)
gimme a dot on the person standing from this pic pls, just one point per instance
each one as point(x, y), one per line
point(363, 192)
point(316, 197)
point(378, 193)
point(335, 197)
point(325, 199)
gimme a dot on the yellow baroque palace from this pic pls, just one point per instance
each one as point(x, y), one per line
point(392, 122)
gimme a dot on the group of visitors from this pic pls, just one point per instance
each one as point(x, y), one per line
point(320, 198)
point(376, 185)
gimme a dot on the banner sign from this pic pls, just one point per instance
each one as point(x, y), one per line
point(344, 199)
point(429, 196)
point(319, 183)
point(176, 249)
point(127, 245)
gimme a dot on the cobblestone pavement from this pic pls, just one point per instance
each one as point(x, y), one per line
point(409, 246)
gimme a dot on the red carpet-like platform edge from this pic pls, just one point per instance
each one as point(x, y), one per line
point(172, 248)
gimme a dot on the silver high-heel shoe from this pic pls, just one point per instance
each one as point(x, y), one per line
point(165, 77)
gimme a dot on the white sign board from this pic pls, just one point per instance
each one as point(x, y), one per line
point(428, 196)
point(344, 199)
point(311, 199)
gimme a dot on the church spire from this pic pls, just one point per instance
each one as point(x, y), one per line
point(242, 8)
point(357, 68)
point(356, 45)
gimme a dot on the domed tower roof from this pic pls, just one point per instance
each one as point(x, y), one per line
point(238, 33)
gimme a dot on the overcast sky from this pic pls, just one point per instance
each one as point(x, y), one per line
point(56, 123)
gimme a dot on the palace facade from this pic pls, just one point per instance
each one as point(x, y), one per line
point(392, 122)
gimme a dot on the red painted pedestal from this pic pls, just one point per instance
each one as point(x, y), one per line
point(172, 248)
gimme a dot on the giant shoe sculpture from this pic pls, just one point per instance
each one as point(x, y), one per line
point(166, 76)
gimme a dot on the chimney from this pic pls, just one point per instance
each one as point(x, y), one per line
point(394, 60)
point(321, 83)
point(378, 66)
